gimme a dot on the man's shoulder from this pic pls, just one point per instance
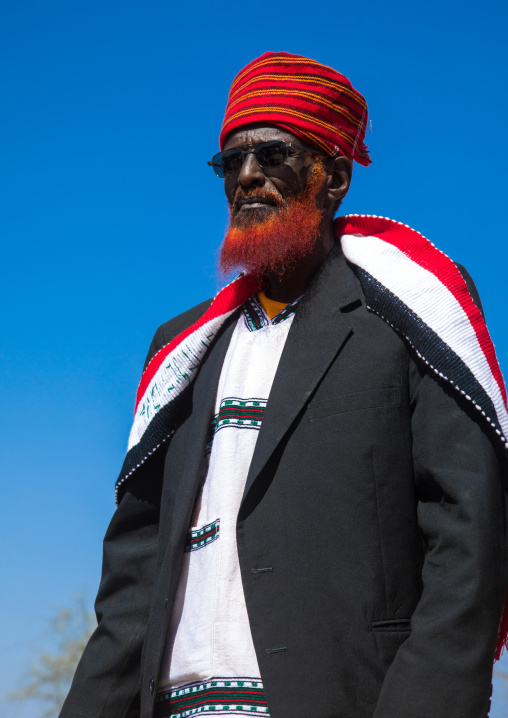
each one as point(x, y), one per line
point(172, 328)
point(470, 285)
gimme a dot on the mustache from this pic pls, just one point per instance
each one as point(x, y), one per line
point(256, 194)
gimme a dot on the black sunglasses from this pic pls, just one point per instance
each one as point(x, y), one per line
point(267, 154)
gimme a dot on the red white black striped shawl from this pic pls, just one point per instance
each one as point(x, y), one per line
point(407, 281)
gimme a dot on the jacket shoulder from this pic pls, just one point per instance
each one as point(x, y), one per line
point(170, 329)
point(471, 287)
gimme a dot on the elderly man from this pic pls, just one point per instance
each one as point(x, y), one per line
point(311, 514)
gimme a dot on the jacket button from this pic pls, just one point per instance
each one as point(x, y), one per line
point(166, 603)
point(152, 685)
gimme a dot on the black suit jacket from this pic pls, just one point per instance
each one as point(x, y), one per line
point(376, 497)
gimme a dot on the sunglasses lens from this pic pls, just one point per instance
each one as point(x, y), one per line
point(231, 161)
point(271, 154)
point(268, 154)
point(216, 163)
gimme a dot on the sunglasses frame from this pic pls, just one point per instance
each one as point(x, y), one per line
point(216, 164)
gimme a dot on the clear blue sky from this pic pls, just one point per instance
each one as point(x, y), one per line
point(110, 219)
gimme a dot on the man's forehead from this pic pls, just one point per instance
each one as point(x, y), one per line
point(254, 133)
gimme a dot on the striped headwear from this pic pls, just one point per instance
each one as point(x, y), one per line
point(312, 101)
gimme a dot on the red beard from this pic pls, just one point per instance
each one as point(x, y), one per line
point(273, 241)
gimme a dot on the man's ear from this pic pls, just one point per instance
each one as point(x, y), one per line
point(340, 170)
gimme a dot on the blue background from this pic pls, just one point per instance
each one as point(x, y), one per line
point(110, 222)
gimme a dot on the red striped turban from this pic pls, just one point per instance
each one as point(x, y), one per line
point(312, 101)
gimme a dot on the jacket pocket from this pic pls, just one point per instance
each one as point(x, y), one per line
point(393, 625)
point(389, 396)
point(389, 636)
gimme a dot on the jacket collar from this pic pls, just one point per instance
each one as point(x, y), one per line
point(319, 331)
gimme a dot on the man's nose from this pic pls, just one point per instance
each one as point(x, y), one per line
point(251, 172)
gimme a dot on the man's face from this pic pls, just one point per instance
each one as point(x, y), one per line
point(282, 182)
point(275, 213)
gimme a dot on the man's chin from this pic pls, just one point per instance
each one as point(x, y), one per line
point(274, 239)
point(267, 246)
point(252, 217)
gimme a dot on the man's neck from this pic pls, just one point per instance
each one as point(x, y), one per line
point(290, 286)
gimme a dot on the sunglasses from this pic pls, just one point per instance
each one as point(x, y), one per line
point(267, 154)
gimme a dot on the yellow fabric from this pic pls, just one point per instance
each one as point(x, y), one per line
point(271, 307)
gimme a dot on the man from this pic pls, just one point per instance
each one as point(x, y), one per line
point(311, 518)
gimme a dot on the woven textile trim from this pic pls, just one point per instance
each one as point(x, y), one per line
point(407, 281)
point(218, 696)
point(199, 538)
point(421, 293)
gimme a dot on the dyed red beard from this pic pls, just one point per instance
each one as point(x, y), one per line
point(273, 240)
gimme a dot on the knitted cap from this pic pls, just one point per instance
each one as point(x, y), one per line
point(312, 101)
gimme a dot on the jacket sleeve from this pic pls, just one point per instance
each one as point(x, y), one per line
point(444, 668)
point(106, 682)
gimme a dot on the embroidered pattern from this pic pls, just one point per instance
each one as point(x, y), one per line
point(198, 538)
point(239, 414)
point(218, 696)
point(255, 317)
point(288, 311)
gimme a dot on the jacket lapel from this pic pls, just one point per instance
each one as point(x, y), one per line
point(319, 331)
point(203, 400)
